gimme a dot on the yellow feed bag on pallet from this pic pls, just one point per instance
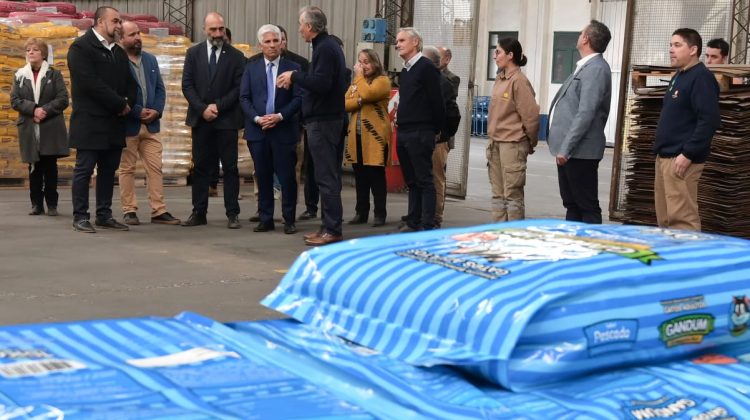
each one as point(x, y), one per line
point(48, 30)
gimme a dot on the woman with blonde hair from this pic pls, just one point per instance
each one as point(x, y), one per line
point(40, 97)
point(369, 135)
point(513, 129)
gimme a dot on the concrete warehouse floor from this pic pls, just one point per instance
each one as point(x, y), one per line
point(50, 273)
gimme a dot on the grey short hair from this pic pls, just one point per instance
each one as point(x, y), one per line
point(315, 17)
point(413, 33)
point(266, 29)
point(432, 54)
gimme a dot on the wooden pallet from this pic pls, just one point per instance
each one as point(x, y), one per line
point(14, 182)
point(640, 80)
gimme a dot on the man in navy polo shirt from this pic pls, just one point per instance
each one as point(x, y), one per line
point(689, 118)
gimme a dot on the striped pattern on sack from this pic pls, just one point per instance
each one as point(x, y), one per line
point(436, 392)
point(150, 368)
point(489, 298)
point(712, 386)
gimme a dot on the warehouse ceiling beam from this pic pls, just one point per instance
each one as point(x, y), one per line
point(180, 12)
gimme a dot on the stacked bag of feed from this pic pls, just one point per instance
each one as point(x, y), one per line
point(13, 35)
point(175, 135)
point(57, 31)
point(193, 367)
point(527, 303)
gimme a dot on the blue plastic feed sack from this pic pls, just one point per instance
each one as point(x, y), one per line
point(711, 386)
point(413, 392)
point(182, 368)
point(527, 303)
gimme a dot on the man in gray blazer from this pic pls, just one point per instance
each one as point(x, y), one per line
point(578, 115)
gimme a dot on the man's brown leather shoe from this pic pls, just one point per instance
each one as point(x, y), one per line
point(324, 239)
point(312, 235)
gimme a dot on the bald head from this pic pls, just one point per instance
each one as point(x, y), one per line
point(131, 38)
point(445, 57)
point(213, 26)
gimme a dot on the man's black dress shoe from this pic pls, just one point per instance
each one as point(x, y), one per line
point(83, 226)
point(264, 227)
point(307, 215)
point(111, 224)
point(195, 219)
point(358, 219)
point(233, 222)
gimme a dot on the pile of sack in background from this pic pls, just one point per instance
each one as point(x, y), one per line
point(59, 23)
point(13, 35)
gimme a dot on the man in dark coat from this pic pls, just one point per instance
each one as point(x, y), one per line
point(103, 92)
point(211, 84)
point(323, 110)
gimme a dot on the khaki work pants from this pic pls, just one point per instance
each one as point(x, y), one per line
point(149, 148)
point(439, 161)
point(676, 198)
point(506, 166)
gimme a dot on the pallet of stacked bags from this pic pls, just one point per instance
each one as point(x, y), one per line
point(190, 366)
point(13, 35)
point(527, 303)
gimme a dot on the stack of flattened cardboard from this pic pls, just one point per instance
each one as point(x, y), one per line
point(724, 189)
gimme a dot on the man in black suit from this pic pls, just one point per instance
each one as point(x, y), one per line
point(211, 84)
point(323, 110)
point(103, 91)
point(271, 128)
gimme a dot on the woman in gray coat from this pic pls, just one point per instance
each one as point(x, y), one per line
point(39, 96)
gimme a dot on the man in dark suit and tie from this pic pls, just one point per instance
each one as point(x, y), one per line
point(577, 118)
point(211, 84)
point(103, 92)
point(272, 128)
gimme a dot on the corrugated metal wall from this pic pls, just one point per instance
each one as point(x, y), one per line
point(245, 17)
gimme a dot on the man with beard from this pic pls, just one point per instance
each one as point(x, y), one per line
point(211, 84)
point(103, 92)
point(141, 126)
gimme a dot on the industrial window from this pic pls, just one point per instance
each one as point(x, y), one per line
point(494, 37)
point(564, 55)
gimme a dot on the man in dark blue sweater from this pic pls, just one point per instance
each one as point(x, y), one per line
point(688, 121)
point(419, 119)
point(323, 112)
